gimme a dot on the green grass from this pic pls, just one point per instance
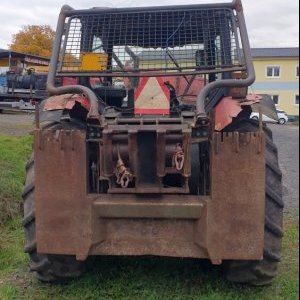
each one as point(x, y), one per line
point(129, 278)
point(13, 155)
point(143, 278)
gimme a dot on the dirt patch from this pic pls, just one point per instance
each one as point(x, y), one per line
point(22, 280)
point(16, 124)
point(9, 209)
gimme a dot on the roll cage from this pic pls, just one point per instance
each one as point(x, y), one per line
point(208, 39)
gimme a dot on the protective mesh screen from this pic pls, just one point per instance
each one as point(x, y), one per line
point(154, 41)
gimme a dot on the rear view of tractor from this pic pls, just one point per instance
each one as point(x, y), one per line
point(150, 150)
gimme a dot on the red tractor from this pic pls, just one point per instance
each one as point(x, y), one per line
point(167, 163)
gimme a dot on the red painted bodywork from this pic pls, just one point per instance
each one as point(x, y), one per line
point(229, 108)
point(67, 101)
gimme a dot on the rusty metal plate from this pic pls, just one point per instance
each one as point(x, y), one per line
point(149, 225)
point(227, 225)
point(235, 221)
point(161, 237)
point(132, 206)
point(63, 218)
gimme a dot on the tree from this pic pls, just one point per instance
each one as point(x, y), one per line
point(33, 39)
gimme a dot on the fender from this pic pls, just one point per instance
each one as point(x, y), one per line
point(228, 108)
point(51, 109)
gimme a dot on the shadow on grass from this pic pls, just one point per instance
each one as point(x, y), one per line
point(151, 278)
point(158, 278)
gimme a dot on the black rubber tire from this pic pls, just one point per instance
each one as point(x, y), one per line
point(264, 271)
point(48, 268)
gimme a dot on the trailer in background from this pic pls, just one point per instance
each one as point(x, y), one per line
point(22, 76)
point(17, 106)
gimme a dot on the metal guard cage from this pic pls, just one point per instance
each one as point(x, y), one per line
point(152, 41)
point(156, 41)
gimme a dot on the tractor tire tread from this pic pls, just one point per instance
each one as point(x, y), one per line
point(262, 272)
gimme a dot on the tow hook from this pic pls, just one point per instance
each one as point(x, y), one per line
point(124, 177)
point(178, 157)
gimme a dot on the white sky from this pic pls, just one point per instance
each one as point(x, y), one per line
point(271, 23)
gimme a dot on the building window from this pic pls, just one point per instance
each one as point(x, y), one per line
point(297, 71)
point(275, 99)
point(273, 71)
point(296, 101)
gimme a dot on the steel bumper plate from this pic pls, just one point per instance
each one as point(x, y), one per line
point(227, 225)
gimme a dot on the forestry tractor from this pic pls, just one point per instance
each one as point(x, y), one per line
point(150, 149)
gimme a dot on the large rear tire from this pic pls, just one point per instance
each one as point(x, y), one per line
point(262, 272)
point(48, 268)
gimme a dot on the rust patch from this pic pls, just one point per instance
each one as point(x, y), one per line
point(227, 225)
point(66, 101)
point(236, 212)
point(64, 220)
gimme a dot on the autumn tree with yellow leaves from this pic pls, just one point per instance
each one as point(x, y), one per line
point(34, 39)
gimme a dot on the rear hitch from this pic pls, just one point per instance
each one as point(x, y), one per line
point(124, 177)
point(178, 157)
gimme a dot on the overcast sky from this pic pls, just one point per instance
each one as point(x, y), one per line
point(271, 23)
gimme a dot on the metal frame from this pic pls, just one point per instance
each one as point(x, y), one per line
point(217, 226)
point(67, 11)
point(201, 112)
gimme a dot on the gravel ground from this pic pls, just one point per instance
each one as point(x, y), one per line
point(287, 140)
point(286, 137)
point(16, 124)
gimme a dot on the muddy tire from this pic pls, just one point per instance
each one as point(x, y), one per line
point(48, 268)
point(263, 271)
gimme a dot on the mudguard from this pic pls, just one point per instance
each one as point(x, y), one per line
point(52, 109)
point(228, 108)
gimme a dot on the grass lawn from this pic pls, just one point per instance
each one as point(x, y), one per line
point(122, 278)
point(13, 155)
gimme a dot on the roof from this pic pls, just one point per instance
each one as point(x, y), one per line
point(4, 53)
point(190, 54)
point(275, 52)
